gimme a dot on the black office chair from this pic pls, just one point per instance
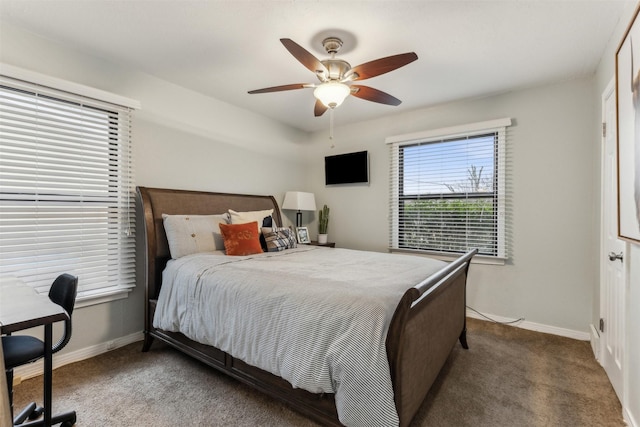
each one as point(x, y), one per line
point(22, 349)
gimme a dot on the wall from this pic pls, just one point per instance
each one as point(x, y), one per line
point(181, 140)
point(631, 394)
point(551, 275)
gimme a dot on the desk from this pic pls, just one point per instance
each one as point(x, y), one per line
point(5, 413)
point(22, 308)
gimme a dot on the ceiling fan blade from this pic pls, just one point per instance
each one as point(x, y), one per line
point(281, 88)
point(305, 58)
point(380, 66)
point(375, 95)
point(319, 108)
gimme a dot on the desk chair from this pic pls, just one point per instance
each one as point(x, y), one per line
point(20, 350)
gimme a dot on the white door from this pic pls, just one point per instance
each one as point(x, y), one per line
point(612, 289)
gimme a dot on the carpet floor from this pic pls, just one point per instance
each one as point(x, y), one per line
point(508, 377)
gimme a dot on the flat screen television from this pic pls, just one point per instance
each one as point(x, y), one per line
point(350, 168)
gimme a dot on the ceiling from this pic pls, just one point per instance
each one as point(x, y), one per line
point(224, 48)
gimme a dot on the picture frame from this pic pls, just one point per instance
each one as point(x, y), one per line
point(302, 234)
point(628, 131)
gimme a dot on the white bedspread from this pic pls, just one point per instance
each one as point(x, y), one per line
point(317, 317)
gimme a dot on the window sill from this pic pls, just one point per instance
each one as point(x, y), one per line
point(478, 259)
point(101, 296)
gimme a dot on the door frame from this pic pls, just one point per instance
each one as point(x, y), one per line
point(599, 348)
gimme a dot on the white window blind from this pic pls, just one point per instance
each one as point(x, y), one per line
point(66, 189)
point(448, 190)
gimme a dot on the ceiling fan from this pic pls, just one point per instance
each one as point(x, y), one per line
point(336, 76)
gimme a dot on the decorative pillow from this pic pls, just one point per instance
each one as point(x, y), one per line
point(278, 238)
point(258, 216)
point(241, 239)
point(190, 234)
point(263, 218)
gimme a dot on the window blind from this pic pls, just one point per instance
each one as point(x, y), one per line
point(448, 190)
point(66, 188)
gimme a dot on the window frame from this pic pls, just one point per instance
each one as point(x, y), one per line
point(399, 142)
point(61, 90)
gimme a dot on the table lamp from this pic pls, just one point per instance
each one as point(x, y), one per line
point(299, 201)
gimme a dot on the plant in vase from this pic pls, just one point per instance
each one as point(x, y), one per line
point(323, 224)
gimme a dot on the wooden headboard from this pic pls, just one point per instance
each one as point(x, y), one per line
point(158, 201)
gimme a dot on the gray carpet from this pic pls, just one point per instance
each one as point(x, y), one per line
point(508, 377)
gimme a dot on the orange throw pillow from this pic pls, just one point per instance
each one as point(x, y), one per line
point(241, 239)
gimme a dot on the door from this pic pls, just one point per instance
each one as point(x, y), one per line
point(612, 288)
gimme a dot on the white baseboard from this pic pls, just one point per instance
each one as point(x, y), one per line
point(37, 368)
point(628, 418)
point(34, 369)
point(595, 342)
point(532, 326)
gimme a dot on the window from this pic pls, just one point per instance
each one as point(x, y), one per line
point(66, 183)
point(448, 190)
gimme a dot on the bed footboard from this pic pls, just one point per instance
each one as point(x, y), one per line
point(428, 321)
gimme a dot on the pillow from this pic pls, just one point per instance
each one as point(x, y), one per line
point(263, 218)
point(278, 238)
point(241, 239)
point(190, 234)
point(258, 216)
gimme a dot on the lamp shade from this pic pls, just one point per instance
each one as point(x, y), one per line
point(332, 94)
point(299, 201)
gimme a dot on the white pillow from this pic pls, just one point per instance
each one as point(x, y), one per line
point(250, 216)
point(190, 234)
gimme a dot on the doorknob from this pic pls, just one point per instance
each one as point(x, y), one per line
point(614, 256)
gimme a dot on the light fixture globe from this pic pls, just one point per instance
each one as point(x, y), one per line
point(331, 93)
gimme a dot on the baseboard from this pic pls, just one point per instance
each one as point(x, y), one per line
point(34, 369)
point(595, 342)
point(628, 418)
point(37, 368)
point(532, 326)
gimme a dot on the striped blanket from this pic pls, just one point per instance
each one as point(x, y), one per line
point(317, 317)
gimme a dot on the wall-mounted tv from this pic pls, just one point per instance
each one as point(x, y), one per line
point(347, 168)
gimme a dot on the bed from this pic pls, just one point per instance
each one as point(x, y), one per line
point(421, 322)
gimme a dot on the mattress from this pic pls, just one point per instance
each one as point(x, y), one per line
point(317, 317)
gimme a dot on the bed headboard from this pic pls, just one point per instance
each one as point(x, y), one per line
point(156, 201)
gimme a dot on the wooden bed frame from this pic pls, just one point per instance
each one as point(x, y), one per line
point(428, 320)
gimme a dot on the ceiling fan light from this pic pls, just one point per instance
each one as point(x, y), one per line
point(332, 94)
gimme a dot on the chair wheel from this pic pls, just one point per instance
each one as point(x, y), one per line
point(36, 413)
point(70, 422)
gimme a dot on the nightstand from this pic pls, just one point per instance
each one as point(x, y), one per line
point(328, 244)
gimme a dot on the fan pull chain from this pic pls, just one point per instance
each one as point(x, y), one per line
point(331, 127)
